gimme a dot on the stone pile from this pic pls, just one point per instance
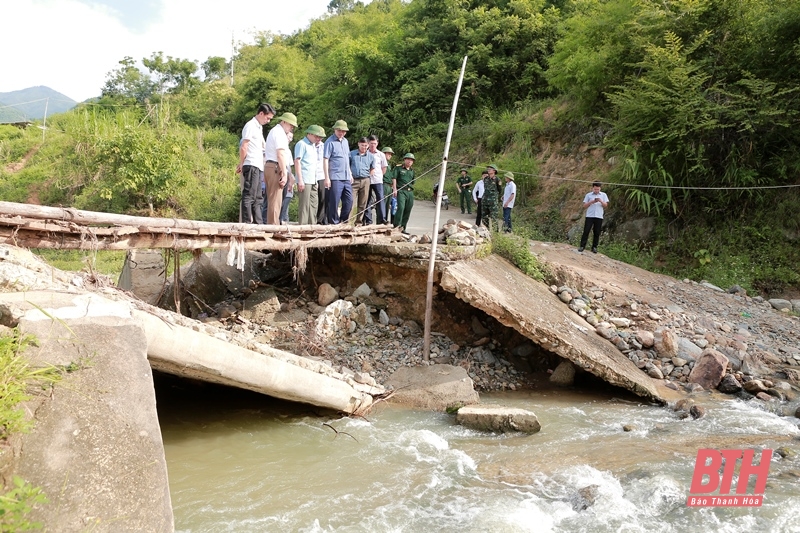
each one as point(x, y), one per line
point(729, 348)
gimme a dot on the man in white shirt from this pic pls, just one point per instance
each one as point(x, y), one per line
point(251, 163)
point(376, 184)
point(509, 195)
point(278, 158)
point(594, 202)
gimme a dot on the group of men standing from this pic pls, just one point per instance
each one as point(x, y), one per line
point(486, 196)
point(331, 178)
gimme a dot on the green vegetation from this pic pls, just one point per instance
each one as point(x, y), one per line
point(696, 102)
point(515, 249)
point(17, 378)
point(108, 262)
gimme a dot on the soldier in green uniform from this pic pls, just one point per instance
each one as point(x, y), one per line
point(491, 195)
point(464, 184)
point(403, 189)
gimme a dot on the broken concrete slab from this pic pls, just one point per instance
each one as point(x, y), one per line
point(143, 275)
point(96, 447)
point(498, 418)
point(435, 387)
point(529, 307)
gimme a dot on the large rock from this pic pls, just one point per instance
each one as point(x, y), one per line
point(665, 342)
point(709, 369)
point(326, 295)
point(363, 291)
point(498, 418)
point(688, 350)
point(435, 387)
point(202, 282)
point(729, 385)
point(564, 374)
point(261, 306)
point(334, 320)
point(780, 304)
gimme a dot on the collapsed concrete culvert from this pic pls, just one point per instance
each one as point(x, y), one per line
point(499, 289)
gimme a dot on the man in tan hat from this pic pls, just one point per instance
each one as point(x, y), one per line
point(278, 158)
point(338, 179)
point(251, 164)
point(509, 195)
point(305, 169)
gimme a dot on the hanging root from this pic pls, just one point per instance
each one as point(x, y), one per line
point(299, 260)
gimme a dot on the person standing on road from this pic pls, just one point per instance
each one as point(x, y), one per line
point(251, 163)
point(338, 180)
point(594, 202)
point(376, 184)
point(362, 167)
point(387, 185)
point(322, 208)
point(509, 195)
point(305, 169)
point(477, 195)
point(464, 184)
point(491, 195)
point(403, 191)
point(278, 159)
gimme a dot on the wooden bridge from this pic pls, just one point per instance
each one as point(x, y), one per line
point(35, 226)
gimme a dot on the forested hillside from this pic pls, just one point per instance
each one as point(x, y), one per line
point(694, 102)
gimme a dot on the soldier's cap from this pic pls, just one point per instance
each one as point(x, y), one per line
point(316, 130)
point(509, 176)
point(464, 170)
point(492, 167)
point(340, 125)
point(409, 155)
point(387, 150)
point(289, 118)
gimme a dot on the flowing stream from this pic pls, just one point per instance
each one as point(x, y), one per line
point(243, 462)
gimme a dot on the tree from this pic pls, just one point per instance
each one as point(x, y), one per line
point(215, 68)
point(128, 82)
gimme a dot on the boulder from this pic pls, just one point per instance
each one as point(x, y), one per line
point(780, 304)
point(361, 315)
point(564, 374)
point(362, 291)
point(729, 385)
point(143, 274)
point(709, 369)
point(334, 320)
point(498, 418)
point(479, 329)
point(645, 338)
point(261, 306)
point(665, 342)
point(434, 387)
point(383, 318)
point(326, 295)
point(754, 386)
point(688, 350)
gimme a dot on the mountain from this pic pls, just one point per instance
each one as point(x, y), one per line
point(30, 104)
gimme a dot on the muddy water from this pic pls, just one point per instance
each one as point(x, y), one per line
point(241, 462)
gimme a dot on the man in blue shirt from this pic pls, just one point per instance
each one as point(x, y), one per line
point(594, 202)
point(338, 179)
point(362, 167)
point(305, 169)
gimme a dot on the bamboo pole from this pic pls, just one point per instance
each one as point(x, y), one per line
point(426, 346)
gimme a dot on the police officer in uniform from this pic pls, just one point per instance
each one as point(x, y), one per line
point(491, 195)
point(464, 183)
point(403, 190)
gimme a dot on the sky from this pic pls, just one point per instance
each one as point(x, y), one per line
point(70, 45)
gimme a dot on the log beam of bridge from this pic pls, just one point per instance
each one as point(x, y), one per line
point(34, 226)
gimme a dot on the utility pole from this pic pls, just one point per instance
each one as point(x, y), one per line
point(233, 53)
point(44, 120)
point(426, 342)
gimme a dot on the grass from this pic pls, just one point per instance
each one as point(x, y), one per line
point(17, 380)
point(516, 249)
point(108, 262)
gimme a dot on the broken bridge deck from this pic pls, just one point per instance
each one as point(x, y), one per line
point(498, 288)
point(35, 226)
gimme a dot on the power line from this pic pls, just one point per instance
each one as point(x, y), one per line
point(633, 185)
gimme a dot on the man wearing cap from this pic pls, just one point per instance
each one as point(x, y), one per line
point(338, 180)
point(305, 169)
point(322, 207)
point(251, 163)
point(509, 195)
point(463, 184)
point(491, 194)
point(376, 184)
point(278, 158)
point(477, 195)
point(387, 185)
point(362, 167)
point(403, 191)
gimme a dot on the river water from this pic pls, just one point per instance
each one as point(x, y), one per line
point(243, 462)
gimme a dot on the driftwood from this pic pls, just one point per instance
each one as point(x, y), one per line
point(34, 226)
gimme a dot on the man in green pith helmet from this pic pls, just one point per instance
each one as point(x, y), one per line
point(387, 184)
point(403, 191)
point(464, 184)
point(491, 195)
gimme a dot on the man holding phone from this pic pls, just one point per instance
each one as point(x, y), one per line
point(594, 202)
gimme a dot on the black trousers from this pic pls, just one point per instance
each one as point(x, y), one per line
point(478, 212)
point(594, 225)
